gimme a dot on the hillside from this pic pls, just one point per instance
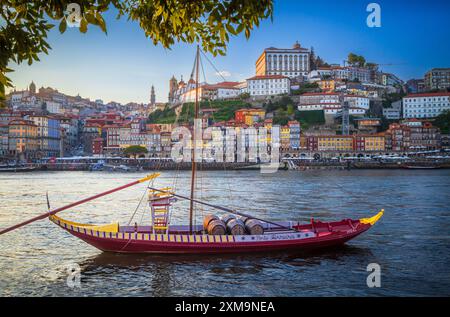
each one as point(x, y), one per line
point(225, 111)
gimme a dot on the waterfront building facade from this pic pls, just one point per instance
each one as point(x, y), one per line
point(369, 143)
point(294, 135)
point(335, 143)
point(49, 134)
point(23, 139)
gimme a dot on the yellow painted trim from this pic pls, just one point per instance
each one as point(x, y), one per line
point(113, 227)
point(149, 177)
point(372, 220)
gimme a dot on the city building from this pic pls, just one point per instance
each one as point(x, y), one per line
point(327, 85)
point(423, 135)
point(330, 103)
point(69, 133)
point(367, 125)
point(335, 143)
point(388, 79)
point(397, 137)
point(369, 143)
point(285, 138)
point(97, 146)
point(294, 135)
point(90, 132)
point(249, 116)
point(426, 105)
point(4, 140)
point(23, 139)
point(393, 113)
point(291, 62)
point(437, 78)
point(48, 134)
point(268, 85)
point(415, 86)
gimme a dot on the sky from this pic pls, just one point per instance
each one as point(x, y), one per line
point(123, 65)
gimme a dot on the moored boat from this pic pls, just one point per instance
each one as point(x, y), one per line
point(422, 167)
point(141, 239)
point(16, 169)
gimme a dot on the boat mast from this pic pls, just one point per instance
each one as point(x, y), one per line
point(194, 143)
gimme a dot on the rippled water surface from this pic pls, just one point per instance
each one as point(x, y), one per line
point(411, 242)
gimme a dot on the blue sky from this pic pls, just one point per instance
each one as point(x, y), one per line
point(122, 65)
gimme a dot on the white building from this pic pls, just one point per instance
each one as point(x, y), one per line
point(53, 107)
point(426, 105)
point(293, 62)
point(268, 85)
point(393, 113)
point(330, 101)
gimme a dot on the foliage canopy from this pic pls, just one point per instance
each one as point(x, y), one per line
point(23, 34)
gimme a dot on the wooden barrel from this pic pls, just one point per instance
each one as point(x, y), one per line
point(243, 218)
point(207, 220)
point(227, 218)
point(216, 227)
point(236, 227)
point(254, 226)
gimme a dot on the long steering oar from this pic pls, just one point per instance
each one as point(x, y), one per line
point(49, 213)
point(221, 208)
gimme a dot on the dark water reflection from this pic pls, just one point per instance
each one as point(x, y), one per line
point(411, 243)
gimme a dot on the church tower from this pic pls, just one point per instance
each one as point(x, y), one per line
point(152, 96)
point(33, 88)
point(173, 86)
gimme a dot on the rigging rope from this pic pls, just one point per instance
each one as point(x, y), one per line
point(230, 193)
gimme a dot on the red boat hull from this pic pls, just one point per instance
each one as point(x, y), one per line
point(311, 236)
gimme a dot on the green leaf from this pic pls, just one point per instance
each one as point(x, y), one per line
point(101, 21)
point(231, 29)
point(83, 25)
point(90, 18)
point(63, 26)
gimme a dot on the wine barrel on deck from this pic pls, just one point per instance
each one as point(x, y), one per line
point(236, 227)
point(227, 218)
point(216, 227)
point(207, 220)
point(254, 226)
point(243, 218)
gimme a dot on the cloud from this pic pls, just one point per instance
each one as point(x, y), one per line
point(223, 73)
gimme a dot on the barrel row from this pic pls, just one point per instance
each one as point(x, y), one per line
point(232, 224)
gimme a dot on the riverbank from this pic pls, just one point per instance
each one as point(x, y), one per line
point(292, 164)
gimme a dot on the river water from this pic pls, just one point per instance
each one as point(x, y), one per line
point(411, 243)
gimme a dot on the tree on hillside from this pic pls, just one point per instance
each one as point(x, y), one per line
point(312, 59)
point(135, 150)
point(356, 60)
point(442, 121)
point(23, 35)
point(244, 96)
